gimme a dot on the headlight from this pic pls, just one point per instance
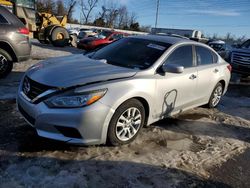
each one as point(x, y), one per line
point(77, 100)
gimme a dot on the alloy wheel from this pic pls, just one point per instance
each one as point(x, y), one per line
point(128, 124)
point(217, 95)
point(3, 63)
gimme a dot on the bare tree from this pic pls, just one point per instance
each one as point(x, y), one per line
point(103, 13)
point(47, 6)
point(111, 13)
point(70, 4)
point(87, 7)
point(122, 17)
point(60, 8)
point(132, 18)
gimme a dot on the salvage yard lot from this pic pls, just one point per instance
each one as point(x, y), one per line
point(198, 148)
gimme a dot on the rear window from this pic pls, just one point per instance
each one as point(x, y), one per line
point(3, 20)
point(204, 56)
point(7, 17)
point(132, 52)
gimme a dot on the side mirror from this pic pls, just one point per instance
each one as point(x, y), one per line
point(110, 39)
point(172, 68)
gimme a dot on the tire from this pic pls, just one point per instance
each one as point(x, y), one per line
point(6, 63)
point(123, 129)
point(215, 96)
point(59, 37)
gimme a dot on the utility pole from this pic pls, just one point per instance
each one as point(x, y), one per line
point(157, 12)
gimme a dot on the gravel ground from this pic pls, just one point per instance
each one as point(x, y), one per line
point(194, 149)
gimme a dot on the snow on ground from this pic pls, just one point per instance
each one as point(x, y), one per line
point(175, 152)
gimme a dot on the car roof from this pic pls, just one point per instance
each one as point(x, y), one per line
point(163, 38)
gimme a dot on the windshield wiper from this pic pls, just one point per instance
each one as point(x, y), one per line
point(123, 65)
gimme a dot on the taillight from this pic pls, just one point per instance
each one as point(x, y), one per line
point(229, 68)
point(23, 31)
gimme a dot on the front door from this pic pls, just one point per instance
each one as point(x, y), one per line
point(176, 91)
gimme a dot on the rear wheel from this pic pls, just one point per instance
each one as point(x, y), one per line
point(6, 63)
point(215, 96)
point(59, 37)
point(126, 122)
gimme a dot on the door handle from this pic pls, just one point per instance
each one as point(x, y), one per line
point(192, 77)
point(216, 70)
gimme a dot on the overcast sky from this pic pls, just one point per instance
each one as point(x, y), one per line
point(213, 16)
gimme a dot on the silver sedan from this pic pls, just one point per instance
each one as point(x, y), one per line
point(108, 95)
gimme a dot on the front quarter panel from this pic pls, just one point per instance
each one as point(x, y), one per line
point(123, 90)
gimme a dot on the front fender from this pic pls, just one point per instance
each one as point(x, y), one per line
point(121, 91)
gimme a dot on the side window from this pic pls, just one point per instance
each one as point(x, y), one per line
point(3, 20)
point(181, 56)
point(215, 58)
point(204, 56)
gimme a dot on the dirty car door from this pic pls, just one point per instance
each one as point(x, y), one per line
point(176, 91)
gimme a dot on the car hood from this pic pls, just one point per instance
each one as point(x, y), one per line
point(76, 70)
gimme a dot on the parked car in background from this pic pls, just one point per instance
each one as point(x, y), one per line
point(102, 39)
point(240, 59)
point(109, 95)
point(74, 31)
point(77, 31)
point(222, 48)
point(84, 29)
point(14, 41)
point(85, 34)
point(97, 31)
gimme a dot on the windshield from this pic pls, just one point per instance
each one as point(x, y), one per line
point(104, 34)
point(246, 44)
point(132, 52)
point(26, 3)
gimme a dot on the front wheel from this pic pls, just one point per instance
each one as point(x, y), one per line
point(59, 37)
point(216, 96)
point(126, 122)
point(6, 63)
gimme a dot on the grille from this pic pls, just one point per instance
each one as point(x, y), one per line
point(241, 58)
point(34, 88)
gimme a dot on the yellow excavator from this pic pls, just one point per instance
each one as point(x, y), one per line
point(45, 27)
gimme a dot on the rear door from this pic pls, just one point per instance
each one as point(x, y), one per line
point(176, 91)
point(208, 72)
